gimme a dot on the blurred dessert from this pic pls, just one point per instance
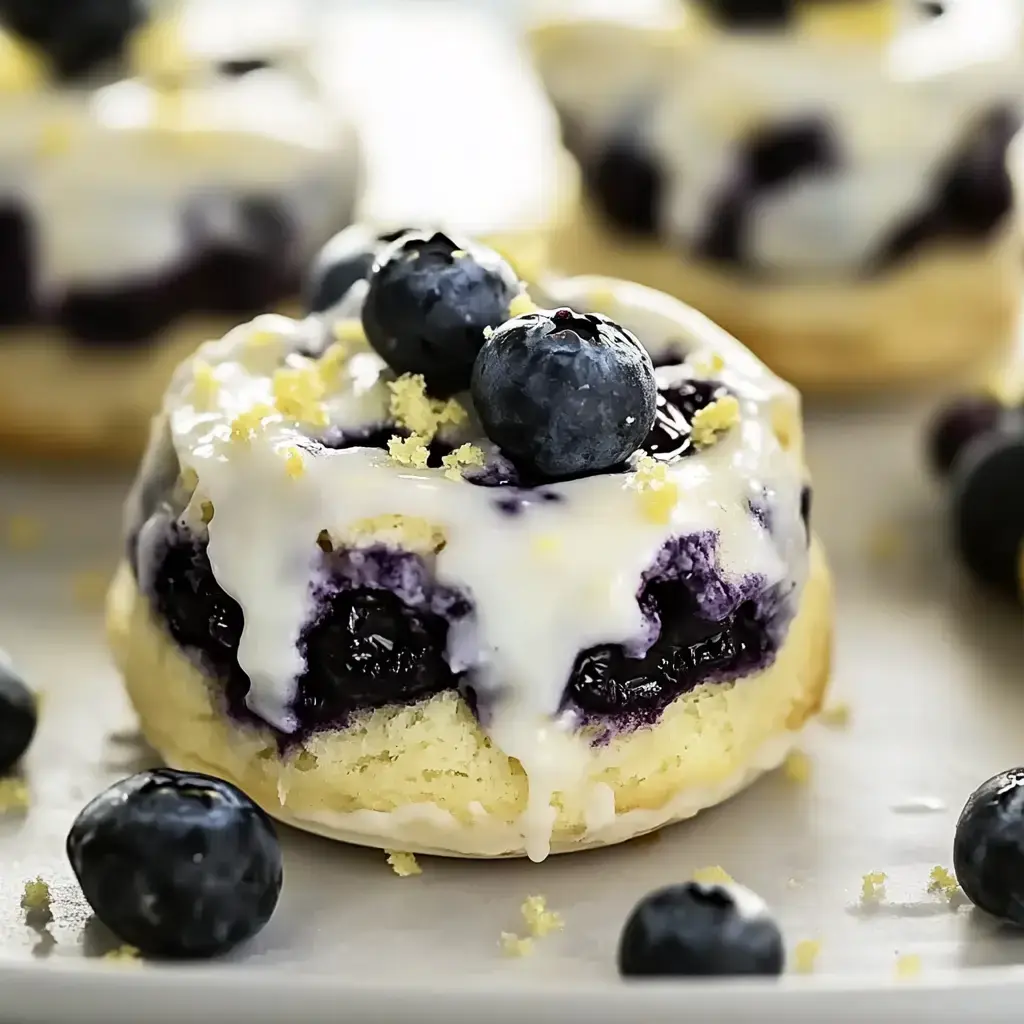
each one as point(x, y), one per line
point(825, 178)
point(166, 169)
point(444, 570)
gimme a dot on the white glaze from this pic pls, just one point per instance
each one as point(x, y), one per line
point(536, 605)
point(898, 108)
point(106, 172)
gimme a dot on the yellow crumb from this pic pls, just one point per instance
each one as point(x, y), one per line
point(404, 865)
point(294, 464)
point(513, 945)
point(410, 533)
point(942, 881)
point(246, 424)
point(36, 895)
point(805, 954)
point(872, 887)
point(712, 875)
point(539, 920)
point(24, 532)
point(204, 383)
point(658, 495)
point(836, 715)
point(521, 305)
point(13, 794)
point(89, 587)
point(721, 415)
point(297, 394)
point(706, 364)
point(409, 451)
point(54, 139)
point(885, 542)
point(908, 965)
point(797, 767)
point(206, 509)
point(413, 409)
point(464, 455)
point(122, 953)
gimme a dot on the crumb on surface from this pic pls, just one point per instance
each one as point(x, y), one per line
point(14, 794)
point(298, 393)
point(413, 409)
point(797, 766)
point(124, 952)
point(540, 921)
point(836, 715)
point(658, 495)
point(36, 895)
point(407, 532)
point(294, 464)
point(908, 965)
point(465, 455)
point(514, 946)
point(247, 424)
point(409, 451)
point(943, 881)
point(706, 363)
point(24, 532)
point(89, 587)
point(404, 865)
point(872, 887)
point(714, 419)
point(714, 874)
point(805, 955)
point(521, 305)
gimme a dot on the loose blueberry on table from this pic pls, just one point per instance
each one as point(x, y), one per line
point(698, 930)
point(18, 717)
point(177, 864)
point(430, 301)
point(988, 850)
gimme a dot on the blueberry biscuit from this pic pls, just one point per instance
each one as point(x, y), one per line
point(164, 171)
point(444, 570)
point(825, 178)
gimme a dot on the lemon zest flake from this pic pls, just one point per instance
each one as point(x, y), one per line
point(413, 409)
point(405, 865)
point(409, 451)
point(36, 895)
point(943, 881)
point(658, 496)
point(714, 420)
point(464, 456)
point(514, 946)
point(872, 887)
point(706, 363)
point(805, 955)
point(540, 921)
point(294, 464)
point(247, 424)
point(712, 875)
point(297, 394)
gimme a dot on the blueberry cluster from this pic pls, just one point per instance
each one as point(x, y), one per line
point(976, 444)
point(76, 36)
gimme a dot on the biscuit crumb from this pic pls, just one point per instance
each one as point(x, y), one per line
point(409, 451)
point(294, 464)
point(908, 965)
point(658, 494)
point(797, 767)
point(521, 305)
point(713, 875)
point(872, 887)
point(404, 865)
point(836, 715)
point(297, 394)
point(512, 945)
point(705, 363)
point(125, 952)
point(89, 587)
point(805, 955)
point(13, 795)
point(247, 424)
point(942, 881)
point(539, 920)
point(714, 419)
point(24, 533)
point(204, 384)
point(36, 895)
point(413, 409)
point(464, 455)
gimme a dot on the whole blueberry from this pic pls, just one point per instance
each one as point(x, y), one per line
point(18, 717)
point(429, 302)
point(177, 864)
point(347, 258)
point(76, 35)
point(987, 488)
point(697, 930)
point(956, 425)
point(750, 13)
point(988, 848)
point(564, 393)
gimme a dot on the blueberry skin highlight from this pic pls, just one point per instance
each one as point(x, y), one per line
point(429, 302)
point(564, 393)
point(988, 848)
point(177, 864)
point(18, 717)
point(697, 930)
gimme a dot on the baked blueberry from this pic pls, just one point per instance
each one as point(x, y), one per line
point(697, 930)
point(17, 717)
point(429, 302)
point(564, 393)
point(988, 510)
point(956, 425)
point(177, 864)
point(347, 258)
point(750, 13)
point(624, 179)
point(76, 35)
point(988, 848)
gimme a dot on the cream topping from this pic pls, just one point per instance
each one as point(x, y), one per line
point(897, 105)
point(544, 585)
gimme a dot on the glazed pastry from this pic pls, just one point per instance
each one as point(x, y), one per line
point(567, 595)
point(165, 172)
point(825, 178)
